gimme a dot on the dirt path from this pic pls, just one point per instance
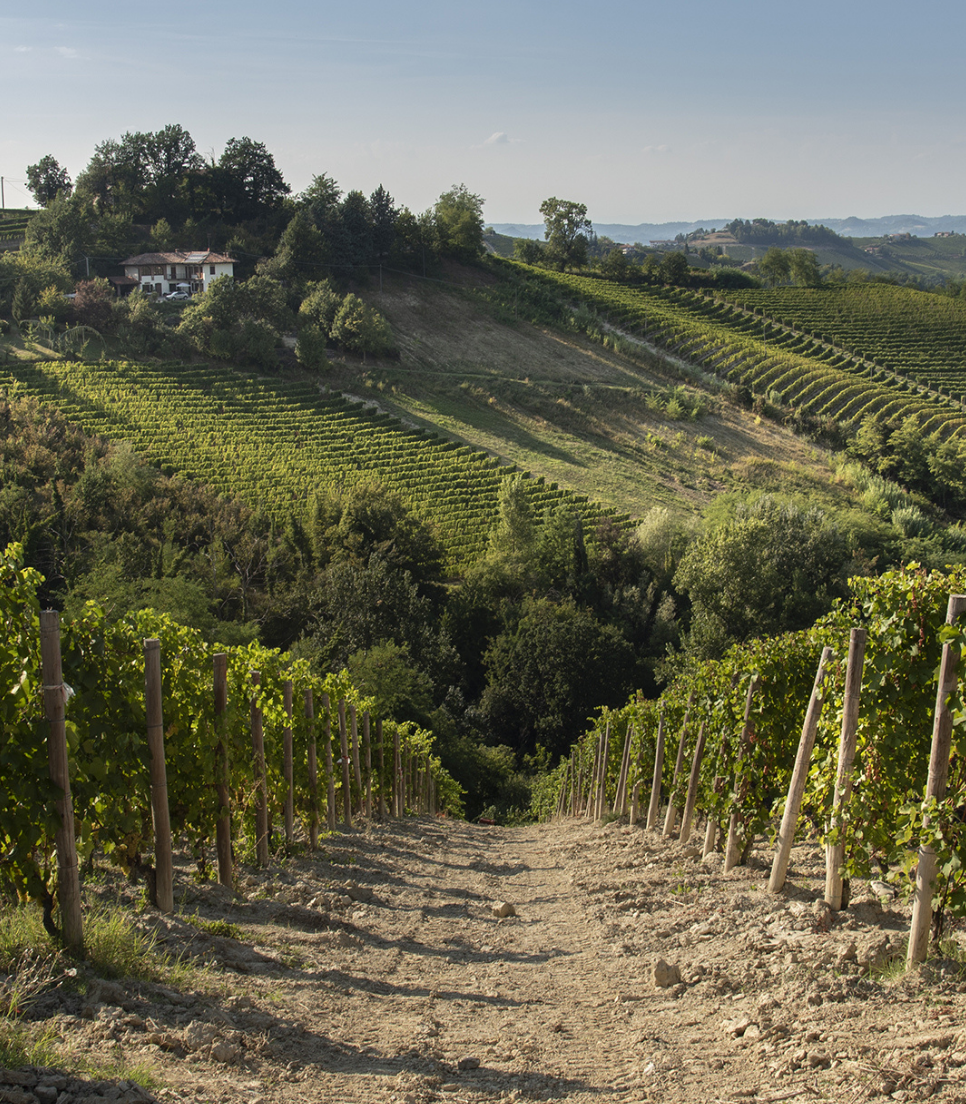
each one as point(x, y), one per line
point(632, 971)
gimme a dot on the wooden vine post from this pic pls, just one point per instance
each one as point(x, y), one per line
point(381, 741)
point(796, 788)
point(654, 806)
point(398, 789)
point(55, 700)
point(601, 809)
point(688, 818)
point(732, 847)
point(671, 817)
point(288, 692)
point(590, 807)
point(835, 852)
point(346, 787)
point(261, 775)
point(313, 764)
point(942, 736)
point(574, 788)
point(635, 802)
point(620, 800)
point(223, 824)
point(367, 753)
point(357, 769)
point(330, 817)
point(160, 814)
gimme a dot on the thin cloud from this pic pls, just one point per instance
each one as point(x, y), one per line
point(22, 49)
point(656, 149)
point(67, 51)
point(501, 138)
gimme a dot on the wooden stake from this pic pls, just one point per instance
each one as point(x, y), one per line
point(835, 853)
point(635, 801)
point(796, 787)
point(692, 798)
point(711, 831)
point(381, 741)
point(399, 789)
point(357, 769)
point(654, 807)
point(160, 815)
point(672, 812)
point(590, 805)
point(330, 814)
point(942, 736)
point(620, 798)
point(602, 780)
point(223, 824)
point(346, 787)
point(55, 700)
point(261, 776)
point(367, 753)
point(313, 764)
point(733, 846)
point(288, 765)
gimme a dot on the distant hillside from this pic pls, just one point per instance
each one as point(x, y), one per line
point(851, 227)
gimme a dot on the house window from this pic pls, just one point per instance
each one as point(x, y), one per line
point(211, 270)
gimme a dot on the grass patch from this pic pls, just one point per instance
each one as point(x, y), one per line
point(223, 928)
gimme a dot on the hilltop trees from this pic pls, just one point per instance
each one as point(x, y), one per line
point(565, 222)
point(458, 216)
point(46, 180)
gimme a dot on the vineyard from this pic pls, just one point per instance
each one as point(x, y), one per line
point(277, 444)
point(917, 334)
point(809, 361)
point(233, 752)
point(736, 722)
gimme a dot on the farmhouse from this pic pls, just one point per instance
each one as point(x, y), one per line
point(162, 273)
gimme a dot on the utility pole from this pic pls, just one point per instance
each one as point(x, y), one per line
point(3, 205)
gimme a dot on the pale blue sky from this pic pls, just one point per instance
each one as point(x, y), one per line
point(646, 111)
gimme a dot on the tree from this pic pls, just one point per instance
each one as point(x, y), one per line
point(565, 222)
point(362, 328)
point(550, 673)
point(301, 250)
point(675, 269)
point(368, 520)
point(513, 539)
point(62, 231)
point(383, 213)
point(321, 197)
point(458, 215)
point(94, 304)
point(117, 174)
point(320, 306)
point(46, 180)
point(804, 267)
point(773, 567)
point(250, 184)
point(616, 266)
point(775, 266)
point(528, 251)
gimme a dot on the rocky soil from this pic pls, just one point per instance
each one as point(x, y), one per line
point(621, 967)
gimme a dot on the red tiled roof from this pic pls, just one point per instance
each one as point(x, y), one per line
point(199, 256)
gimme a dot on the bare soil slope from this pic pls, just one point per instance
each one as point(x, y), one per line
point(561, 406)
point(632, 970)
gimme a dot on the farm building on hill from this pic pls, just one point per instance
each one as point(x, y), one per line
point(164, 273)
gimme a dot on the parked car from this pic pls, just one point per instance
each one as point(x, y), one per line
point(178, 295)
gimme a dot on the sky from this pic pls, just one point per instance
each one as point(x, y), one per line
point(646, 111)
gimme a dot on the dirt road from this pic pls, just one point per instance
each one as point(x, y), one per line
point(378, 971)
